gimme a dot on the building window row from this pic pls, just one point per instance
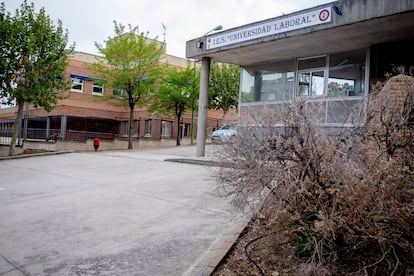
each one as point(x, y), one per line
point(166, 128)
point(334, 75)
point(98, 89)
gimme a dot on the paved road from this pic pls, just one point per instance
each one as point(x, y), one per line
point(107, 213)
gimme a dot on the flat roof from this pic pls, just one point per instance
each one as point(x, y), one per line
point(353, 24)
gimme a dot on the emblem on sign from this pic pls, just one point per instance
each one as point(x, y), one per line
point(323, 15)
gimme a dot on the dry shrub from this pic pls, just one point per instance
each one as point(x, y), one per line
point(346, 200)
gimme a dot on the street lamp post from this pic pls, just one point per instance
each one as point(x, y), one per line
point(218, 28)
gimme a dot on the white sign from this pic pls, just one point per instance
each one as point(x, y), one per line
point(276, 26)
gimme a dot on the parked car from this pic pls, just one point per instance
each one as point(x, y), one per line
point(223, 134)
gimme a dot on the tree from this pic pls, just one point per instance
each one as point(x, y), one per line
point(7, 62)
point(176, 94)
point(33, 60)
point(131, 64)
point(224, 86)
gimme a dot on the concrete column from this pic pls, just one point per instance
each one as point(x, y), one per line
point(63, 124)
point(47, 128)
point(202, 107)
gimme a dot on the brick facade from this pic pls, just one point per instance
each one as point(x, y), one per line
point(96, 109)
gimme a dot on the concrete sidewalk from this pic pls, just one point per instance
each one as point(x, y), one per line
point(113, 213)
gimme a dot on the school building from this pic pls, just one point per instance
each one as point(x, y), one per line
point(330, 54)
point(83, 114)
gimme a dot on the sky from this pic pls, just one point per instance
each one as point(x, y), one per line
point(90, 21)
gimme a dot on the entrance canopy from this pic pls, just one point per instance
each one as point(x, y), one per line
point(308, 53)
point(333, 27)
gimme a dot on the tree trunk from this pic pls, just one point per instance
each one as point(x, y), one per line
point(178, 130)
point(16, 128)
point(131, 120)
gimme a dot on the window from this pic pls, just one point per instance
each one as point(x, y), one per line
point(268, 82)
point(311, 83)
point(135, 128)
point(187, 130)
point(117, 90)
point(346, 74)
point(246, 85)
point(166, 129)
point(125, 128)
point(335, 84)
point(334, 75)
point(147, 128)
point(311, 63)
point(311, 76)
point(97, 88)
point(77, 85)
point(277, 86)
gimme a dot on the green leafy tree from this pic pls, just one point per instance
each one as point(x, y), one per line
point(176, 94)
point(224, 86)
point(33, 60)
point(7, 61)
point(131, 64)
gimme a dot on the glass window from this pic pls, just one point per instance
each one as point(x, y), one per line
point(125, 128)
point(277, 86)
point(346, 74)
point(97, 89)
point(117, 90)
point(187, 130)
point(135, 128)
point(166, 129)
point(312, 62)
point(246, 85)
point(340, 75)
point(311, 83)
point(311, 76)
point(148, 128)
point(77, 85)
point(268, 82)
point(335, 75)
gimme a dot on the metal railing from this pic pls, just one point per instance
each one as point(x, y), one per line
point(75, 135)
point(6, 132)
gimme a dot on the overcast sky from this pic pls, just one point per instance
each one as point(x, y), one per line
point(92, 20)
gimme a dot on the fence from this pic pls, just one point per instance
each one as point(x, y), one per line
point(6, 133)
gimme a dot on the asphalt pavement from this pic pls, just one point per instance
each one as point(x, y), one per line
point(113, 213)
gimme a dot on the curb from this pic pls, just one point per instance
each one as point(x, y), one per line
point(207, 262)
point(200, 162)
point(36, 154)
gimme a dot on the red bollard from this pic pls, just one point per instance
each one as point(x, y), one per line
point(96, 143)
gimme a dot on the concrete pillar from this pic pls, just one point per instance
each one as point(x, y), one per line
point(63, 124)
point(47, 128)
point(202, 107)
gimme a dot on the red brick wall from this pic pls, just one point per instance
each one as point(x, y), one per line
point(84, 104)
